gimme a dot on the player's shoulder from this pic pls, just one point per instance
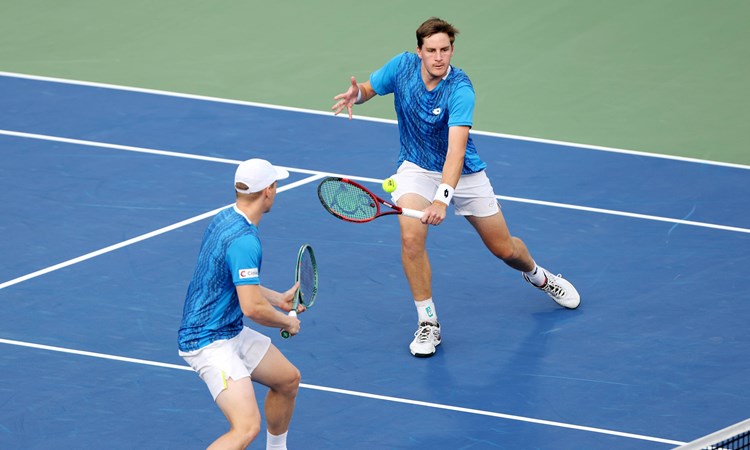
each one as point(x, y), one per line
point(246, 243)
point(408, 56)
point(233, 225)
point(459, 78)
point(249, 235)
point(404, 59)
point(225, 216)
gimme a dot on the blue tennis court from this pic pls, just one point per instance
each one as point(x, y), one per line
point(105, 195)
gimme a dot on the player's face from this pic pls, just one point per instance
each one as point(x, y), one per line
point(436, 53)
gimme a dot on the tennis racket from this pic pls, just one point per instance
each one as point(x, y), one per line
point(306, 273)
point(353, 202)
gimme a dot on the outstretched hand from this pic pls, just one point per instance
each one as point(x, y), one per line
point(346, 99)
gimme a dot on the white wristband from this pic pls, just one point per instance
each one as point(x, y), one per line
point(444, 193)
point(359, 96)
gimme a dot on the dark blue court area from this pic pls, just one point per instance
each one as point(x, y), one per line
point(105, 195)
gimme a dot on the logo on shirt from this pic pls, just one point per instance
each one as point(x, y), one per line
point(248, 273)
point(436, 111)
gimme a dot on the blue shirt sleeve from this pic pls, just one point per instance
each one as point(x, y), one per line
point(244, 258)
point(461, 106)
point(382, 80)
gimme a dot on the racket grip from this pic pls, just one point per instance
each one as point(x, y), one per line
point(415, 213)
point(285, 334)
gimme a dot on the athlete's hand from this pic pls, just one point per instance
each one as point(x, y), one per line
point(292, 326)
point(435, 213)
point(346, 99)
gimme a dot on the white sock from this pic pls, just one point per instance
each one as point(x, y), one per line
point(276, 442)
point(537, 276)
point(426, 310)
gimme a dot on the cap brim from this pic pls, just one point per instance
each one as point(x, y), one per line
point(281, 174)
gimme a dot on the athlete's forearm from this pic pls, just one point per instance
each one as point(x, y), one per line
point(458, 137)
point(256, 307)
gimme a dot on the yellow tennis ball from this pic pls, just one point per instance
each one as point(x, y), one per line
point(389, 185)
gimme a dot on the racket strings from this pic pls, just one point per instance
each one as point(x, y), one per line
point(308, 280)
point(347, 200)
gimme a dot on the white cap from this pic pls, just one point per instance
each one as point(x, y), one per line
point(257, 174)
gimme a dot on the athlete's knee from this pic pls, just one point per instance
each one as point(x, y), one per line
point(508, 250)
point(246, 431)
point(250, 434)
point(288, 383)
point(293, 382)
point(412, 244)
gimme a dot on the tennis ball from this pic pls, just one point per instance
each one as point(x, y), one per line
point(389, 185)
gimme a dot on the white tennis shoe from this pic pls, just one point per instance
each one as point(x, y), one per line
point(426, 340)
point(560, 289)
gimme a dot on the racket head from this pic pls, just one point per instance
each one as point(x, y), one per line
point(348, 200)
point(306, 273)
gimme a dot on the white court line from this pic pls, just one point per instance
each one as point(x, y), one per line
point(142, 237)
point(357, 394)
point(365, 118)
point(374, 180)
point(627, 214)
point(315, 175)
point(152, 151)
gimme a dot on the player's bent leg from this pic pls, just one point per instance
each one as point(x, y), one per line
point(282, 378)
point(240, 407)
point(496, 237)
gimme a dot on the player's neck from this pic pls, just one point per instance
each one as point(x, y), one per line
point(431, 81)
point(252, 210)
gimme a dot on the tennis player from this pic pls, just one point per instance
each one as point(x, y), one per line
point(438, 165)
point(226, 286)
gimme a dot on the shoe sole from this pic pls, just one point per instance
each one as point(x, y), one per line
point(568, 307)
point(425, 355)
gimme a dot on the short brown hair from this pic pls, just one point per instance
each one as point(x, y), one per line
point(434, 25)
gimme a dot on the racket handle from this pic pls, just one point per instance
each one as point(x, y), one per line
point(415, 213)
point(285, 334)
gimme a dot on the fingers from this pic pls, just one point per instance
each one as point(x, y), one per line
point(294, 328)
point(346, 99)
point(432, 220)
point(340, 105)
point(433, 215)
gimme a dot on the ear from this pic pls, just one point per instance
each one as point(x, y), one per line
point(268, 191)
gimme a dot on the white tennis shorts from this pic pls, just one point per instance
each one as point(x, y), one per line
point(233, 358)
point(473, 196)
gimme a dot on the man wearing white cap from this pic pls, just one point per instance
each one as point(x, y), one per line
point(226, 286)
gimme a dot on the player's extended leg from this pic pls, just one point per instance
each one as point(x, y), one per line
point(418, 272)
point(413, 251)
point(282, 378)
point(240, 407)
point(494, 233)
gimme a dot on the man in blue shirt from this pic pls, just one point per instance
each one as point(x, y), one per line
point(438, 165)
point(226, 287)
